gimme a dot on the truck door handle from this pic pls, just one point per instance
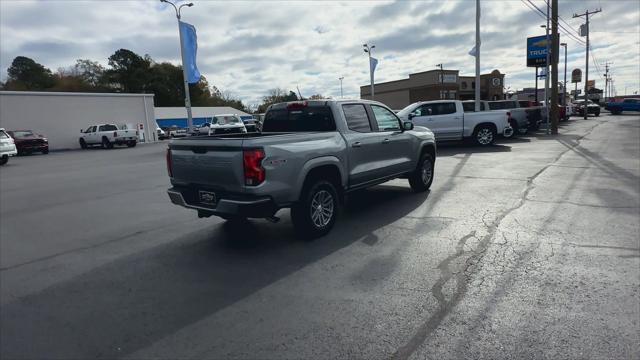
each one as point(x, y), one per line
point(386, 141)
point(356, 144)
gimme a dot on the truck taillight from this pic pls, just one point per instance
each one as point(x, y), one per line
point(253, 172)
point(115, 134)
point(169, 166)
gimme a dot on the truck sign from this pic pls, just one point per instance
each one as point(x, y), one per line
point(537, 51)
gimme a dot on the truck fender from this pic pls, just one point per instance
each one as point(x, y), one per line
point(315, 163)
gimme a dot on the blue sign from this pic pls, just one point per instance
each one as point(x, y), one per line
point(537, 50)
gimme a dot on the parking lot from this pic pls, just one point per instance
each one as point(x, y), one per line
point(528, 248)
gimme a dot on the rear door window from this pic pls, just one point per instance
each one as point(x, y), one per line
point(108, 128)
point(444, 108)
point(357, 118)
point(312, 118)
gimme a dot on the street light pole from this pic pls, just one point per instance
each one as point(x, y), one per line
point(187, 97)
point(564, 83)
point(341, 78)
point(368, 50)
point(441, 80)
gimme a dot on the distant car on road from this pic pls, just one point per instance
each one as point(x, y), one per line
point(175, 132)
point(107, 135)
point(28, 142)
point(448, 121)
point(226, 124)
point(160, 133)
point(617, 107)
point(7, 147)
point(307, 157)
point(592, 108)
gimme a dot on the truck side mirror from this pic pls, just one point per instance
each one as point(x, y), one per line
point(407, 125)
point(81, 130)
point(411, 116)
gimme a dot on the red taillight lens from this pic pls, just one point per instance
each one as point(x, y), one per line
point(297, 105)
point(115, 134)
point(253, 171)
point(169, 166)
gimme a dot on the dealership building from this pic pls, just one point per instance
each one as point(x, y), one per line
point(435, 85)
point(60, 115)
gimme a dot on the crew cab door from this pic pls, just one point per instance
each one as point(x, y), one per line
point(364, 146)
point(442, 118)
point(90, 135)
point(397, 151)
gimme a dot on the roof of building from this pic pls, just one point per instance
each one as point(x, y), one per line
point(196, 112)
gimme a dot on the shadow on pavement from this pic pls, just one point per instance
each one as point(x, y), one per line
point(451, 149)
point(133, 302)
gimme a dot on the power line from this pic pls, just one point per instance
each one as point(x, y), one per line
point(566, 32)
point(543, 15)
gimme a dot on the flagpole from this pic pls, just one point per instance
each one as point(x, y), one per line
point(187, 96)
point(477, 94)
point(368, 49)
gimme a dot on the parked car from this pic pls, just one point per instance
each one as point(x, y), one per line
point(448, 121)
point(592, 108)
point(522, 119)
point(470, 106)
point(249, 123)
point(308, 156)
point(226, 124)
point(617, 107)
point(160, 133)
point(27, 142)
point(7, 147)
point(107, 135)
point(175, 132)
point(562, 112)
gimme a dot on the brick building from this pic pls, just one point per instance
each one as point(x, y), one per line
point(434, 85)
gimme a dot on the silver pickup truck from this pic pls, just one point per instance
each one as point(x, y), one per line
point(307, 157)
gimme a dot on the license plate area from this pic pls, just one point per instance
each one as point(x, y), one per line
point(207, 197)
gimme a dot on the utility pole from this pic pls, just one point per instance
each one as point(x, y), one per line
point(441, 80)
point(606, 81)
point(564, 83)
point(546, 72)
point(554, 70)
point(341, 78)
point(477, 92)
point(586, 68)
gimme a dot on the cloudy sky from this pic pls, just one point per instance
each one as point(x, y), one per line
point(248, 47)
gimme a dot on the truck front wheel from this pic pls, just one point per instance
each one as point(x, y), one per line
point(484, 135)
point(422, 177)
point(315, 213)
point(83, 144)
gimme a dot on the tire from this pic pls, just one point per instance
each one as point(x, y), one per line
point(83, 144)
point(4, 159)
point(422, 177)
point(131, 144)
point(315, 213)
point(106, 144)
point(597, 113)
point(521, 130)
point(45, 151)
point(484, 135)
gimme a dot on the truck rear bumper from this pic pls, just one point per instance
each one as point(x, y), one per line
point(254, 207)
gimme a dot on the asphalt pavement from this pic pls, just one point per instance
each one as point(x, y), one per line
point(528, 249)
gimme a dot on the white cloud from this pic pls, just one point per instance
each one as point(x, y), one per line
point(249, 47)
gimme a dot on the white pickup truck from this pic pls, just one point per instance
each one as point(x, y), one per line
point(448, 121)
point(107, 135)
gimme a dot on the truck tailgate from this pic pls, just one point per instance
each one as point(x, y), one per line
point(209, 163)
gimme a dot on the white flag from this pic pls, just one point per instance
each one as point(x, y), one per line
point(373, 64)
point(473, 52)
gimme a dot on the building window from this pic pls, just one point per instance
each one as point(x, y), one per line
point(464, 85)
point(452, 94)
point(473, 84)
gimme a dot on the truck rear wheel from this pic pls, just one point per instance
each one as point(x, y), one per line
point(422, 177)
point(484, 135)
point(4, 159)
point(315, 213)
point(106, 143)
point(131, 144)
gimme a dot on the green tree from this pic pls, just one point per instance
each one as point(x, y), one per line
point(129, 71)
point(89, 71)
point(26, 74)
point(276, 95)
